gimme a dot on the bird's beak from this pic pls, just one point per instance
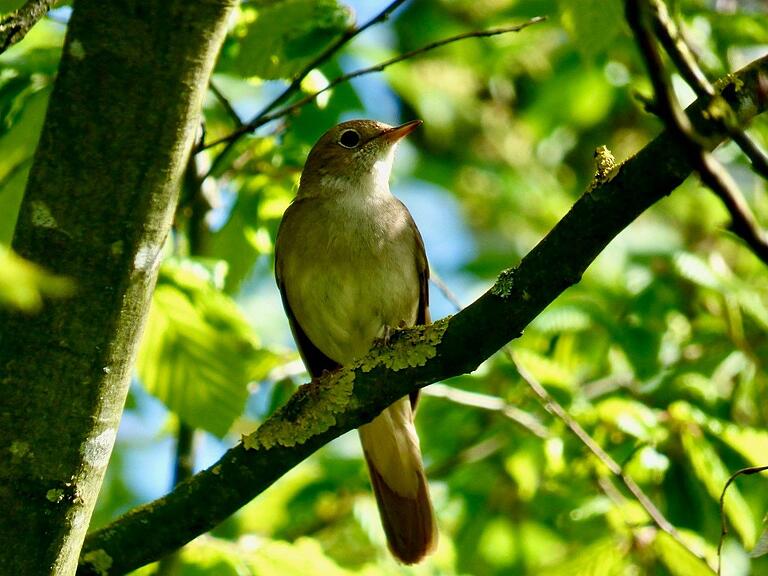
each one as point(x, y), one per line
point(394, 134)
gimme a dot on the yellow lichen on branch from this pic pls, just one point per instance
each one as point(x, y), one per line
point(311, 411)
point(407, 348)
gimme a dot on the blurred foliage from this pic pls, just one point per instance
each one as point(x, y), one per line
point(659, 353)
point(199, 354)
point(23, 284)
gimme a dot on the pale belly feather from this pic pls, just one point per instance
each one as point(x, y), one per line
point(344, 291)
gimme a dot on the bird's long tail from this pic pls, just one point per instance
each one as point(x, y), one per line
point(392, 452)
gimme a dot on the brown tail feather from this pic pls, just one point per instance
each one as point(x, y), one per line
point(409, 523)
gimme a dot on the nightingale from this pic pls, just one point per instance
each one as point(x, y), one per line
point(351, 267)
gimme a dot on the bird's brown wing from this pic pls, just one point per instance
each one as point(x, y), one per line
point(422, 266)
point(315, 361)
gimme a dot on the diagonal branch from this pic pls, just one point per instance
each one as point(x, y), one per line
point(680, 53)
point(265, 116)
point(15, 25)
point(695, 147)
point(614, 467)
point(341, 401)
point(295, 84)
point(554, 407)
point(723, 518)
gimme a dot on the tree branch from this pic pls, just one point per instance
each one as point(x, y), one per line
point(15, 25)
point(264, 117)
point(682, 56)
point(339, 402)
point(554, 407)
point(695, 147)
point(295, 84)
point(490, 403)
point(723, 518)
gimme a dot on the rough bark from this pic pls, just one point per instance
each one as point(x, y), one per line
point(97, 209)
point(15, 25)
point(470, 337)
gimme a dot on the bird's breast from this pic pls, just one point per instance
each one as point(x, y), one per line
point(351, 273)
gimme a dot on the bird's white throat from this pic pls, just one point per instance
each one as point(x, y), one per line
point(367, 183)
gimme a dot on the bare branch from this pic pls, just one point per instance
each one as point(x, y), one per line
point(554, 407)
point(295, 84)
point(712, 174)
point(491, 403)
point(465, 340)
point(723, 520)
point(264, 118)
point(225, 103)
point(682, 56)
point(16, 25)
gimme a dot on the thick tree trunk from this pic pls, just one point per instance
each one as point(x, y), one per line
point(97, 209)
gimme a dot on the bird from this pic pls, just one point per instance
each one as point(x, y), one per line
point(351, 268)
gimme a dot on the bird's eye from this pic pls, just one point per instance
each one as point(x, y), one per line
point(349, 139)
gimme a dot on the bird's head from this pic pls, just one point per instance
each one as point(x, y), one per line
point(355, 156)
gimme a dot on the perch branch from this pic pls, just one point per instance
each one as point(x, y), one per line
point(451, 347)
point(265, 116)
point(712, 174)
point(15, 25)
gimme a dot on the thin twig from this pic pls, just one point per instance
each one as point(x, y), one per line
point(723, 520)
point(712, 173)
point(554, 407)
point(265, 118)
point(295, 84)
point(447, 293)
point(225, 103)
point(490, 403)
point(15, 25)
point(673, 41)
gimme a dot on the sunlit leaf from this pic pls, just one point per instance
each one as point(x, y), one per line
point(281, 37)
point(302, 557)
point(761, 548)
point(630, 417)
point(24, 285)
point(606, 557)
point(592, 24)
point(198, 353)
point(712, 473)
point(544, 369)
point(562, 319)
point(695, 269)
point(679, 561)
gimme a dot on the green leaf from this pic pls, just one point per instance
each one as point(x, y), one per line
point(750, 443)
point(199, 353)
point(556, 319)
point(10, 5)
point(207, 555)
point(592, 24)
point(713, 474)
point(280, 38)
point(302, 557)
point(679, 561)
point(544, 369)
point(631, 417)
point(606, 557)
point(18, 137)
point(696, 270)
point(23, 284)
point(761, 548)
point(11, 195)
